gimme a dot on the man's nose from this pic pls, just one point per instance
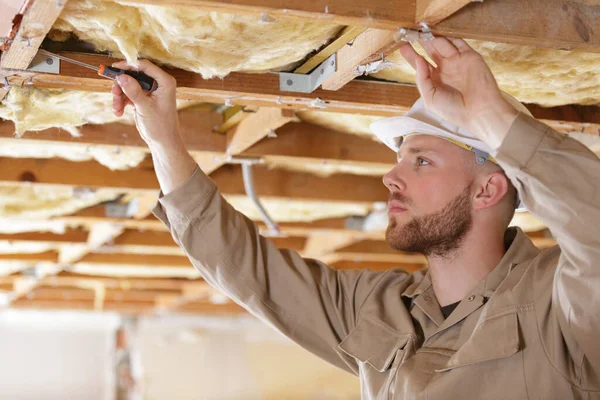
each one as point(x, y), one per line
point(393, 180)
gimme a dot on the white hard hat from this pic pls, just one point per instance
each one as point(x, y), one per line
point(418, 120)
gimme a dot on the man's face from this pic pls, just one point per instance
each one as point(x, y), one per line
point(430, 202)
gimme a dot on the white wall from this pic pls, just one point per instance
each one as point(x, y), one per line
point(56, 355)
point(232, 358)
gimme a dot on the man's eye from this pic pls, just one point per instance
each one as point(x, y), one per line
point(422, 161)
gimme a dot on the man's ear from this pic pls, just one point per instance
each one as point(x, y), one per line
point(490, 190)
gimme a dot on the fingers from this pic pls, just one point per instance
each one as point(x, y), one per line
point(409, 55)
point(163, 79)
point(460, 45)
point(120, 101)
point(424, 81)
point(132, 89)
point(439, 48)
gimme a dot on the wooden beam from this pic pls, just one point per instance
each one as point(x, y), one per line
point(560, 24)
point(366, 48)
point(196, 126)
point(268, 183)
point(256, 127)
point(366, 97)
point(48, 256)
point(70, 279)
point(305, 141)
point(250, 130)
point(70, 236)
point(359, 96)
point(377, 13)
point(347, 35)
point(433, 11)
point(38, 18)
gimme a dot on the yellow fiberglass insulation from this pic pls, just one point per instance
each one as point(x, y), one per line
point(44, 202)
point(531, 74)
point(113, 157)
point(33, 109)
point(211, 43)
point(346, 123)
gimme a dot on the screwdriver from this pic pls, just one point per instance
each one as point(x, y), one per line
point(147, 83)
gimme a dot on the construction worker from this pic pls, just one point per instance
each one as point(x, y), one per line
point(492, 317)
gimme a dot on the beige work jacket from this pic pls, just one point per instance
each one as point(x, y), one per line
point(530, 330)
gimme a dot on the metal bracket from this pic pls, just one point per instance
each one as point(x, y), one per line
point(307, 83)
point(45, 64)
point(115, 209)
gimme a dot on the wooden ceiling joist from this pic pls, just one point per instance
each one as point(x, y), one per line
point(268, 183)
point(434, 11)
point(559, 24)
point(376, 13)
point(368, 47)
point(359, 96)
point(364, 97)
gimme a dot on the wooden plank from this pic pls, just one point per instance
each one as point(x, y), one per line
point(269, 183)
point(196, 126)
point(38, 18)
point(376, 13)
point(347, 35)
point(434, 11)
point(559, 24)
point(136, 308)
point(74, 294)
point(302, 186)
point(70, 279)
point(70, 236)
point(359, 96)
point(49, 256)
point(87, 174)
point(366, 97)
point(302, 140)
point(366, 48)
point(256, 127)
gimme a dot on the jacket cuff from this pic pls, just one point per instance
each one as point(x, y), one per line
point(522, 141)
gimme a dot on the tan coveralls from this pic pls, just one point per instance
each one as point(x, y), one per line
point(530, 330)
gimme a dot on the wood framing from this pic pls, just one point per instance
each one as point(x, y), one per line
point(377, 13)
point(434, 11)
point(559, 24)
point(38, 18)
point(369, 46)
point(268, 183)
point(256, 127)
point(364, 97)
point(359, 96)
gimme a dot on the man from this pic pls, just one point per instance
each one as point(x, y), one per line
point(492, 317)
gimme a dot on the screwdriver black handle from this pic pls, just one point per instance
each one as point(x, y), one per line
point(147, 83)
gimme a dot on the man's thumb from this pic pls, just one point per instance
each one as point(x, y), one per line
point(132, 90)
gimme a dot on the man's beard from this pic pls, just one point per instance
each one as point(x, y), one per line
point(436, 234)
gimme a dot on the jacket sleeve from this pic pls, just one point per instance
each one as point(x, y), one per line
point(558, 180)
point(310, 303)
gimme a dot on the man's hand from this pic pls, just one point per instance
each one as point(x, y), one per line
point(156, 120)
point(155, 112)
point(462, 89)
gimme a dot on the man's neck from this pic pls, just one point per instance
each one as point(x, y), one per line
point(453, 277)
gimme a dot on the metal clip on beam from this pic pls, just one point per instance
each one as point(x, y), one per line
point(307, 83)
